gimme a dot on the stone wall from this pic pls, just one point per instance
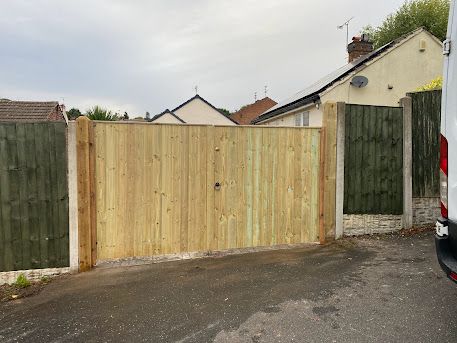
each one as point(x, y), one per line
point(425, 210)
point(31, 274)
point(367, 224)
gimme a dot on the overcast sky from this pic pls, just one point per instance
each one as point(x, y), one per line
point(147, 55)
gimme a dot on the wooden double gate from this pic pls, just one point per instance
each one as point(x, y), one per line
point(33, 196)
point(173, 189)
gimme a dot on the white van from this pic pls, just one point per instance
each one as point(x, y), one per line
point(446, 226)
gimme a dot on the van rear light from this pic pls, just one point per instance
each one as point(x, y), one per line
point(443, 175)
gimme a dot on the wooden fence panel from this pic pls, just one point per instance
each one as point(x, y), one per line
point(157, 194)
point(33, 196)
point(426, 114)
point(373, 180)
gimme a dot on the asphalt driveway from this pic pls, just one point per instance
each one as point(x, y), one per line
point(378, 289)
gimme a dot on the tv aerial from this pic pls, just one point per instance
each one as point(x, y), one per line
point(340, 27)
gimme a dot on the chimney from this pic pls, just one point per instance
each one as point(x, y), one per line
point(359, 46)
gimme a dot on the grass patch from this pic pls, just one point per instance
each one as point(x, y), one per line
point(22, 281)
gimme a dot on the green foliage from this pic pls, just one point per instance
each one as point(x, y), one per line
point(430, 14)
point(224, 111)
point(45, 279)
point(432, 85)
point(74, 113)
point(100, 113)
point(22, 281)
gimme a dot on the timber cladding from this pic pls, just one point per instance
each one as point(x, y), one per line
point(425, 121)
point(373, 167)
point(33, 196)
point(168, 189)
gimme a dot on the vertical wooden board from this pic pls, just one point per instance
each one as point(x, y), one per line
point(26, 161)
point(398, 154)
point(281, 189)
point(5, 187)
point(14, 189)
point(275, 165)
point(157, 140)
point(44, 185)
point(52, 219)
point(241, 213)
point(141, 230)
point(347, 156)
point(33, 196)
point(62, 194)
point(231, 182)
point(197, 194)
point(211, 211)
point(101, 175)
point(249, 188)
point(166, 189)
point(288, 186)
point(297, 186)
point(265, 197)
point(177, 165)
point(221, 175)
point(183, 195)
point(304, 175)
point(148, 190)
point(256, 208)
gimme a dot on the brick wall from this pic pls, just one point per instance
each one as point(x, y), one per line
point(425, 210)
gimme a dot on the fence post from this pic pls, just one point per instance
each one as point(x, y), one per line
point(85, 174)
point(72, 197)
point(406, 103)
point(340, 141)
point(329, 123)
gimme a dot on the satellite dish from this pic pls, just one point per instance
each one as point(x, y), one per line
point(359, 81)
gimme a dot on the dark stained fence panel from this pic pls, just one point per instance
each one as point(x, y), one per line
point(426, 113)
point(34, 230)
point(373, 160)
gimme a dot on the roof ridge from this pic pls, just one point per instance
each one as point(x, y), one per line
point(313, 90)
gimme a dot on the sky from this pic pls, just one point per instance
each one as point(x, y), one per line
point(148, 55)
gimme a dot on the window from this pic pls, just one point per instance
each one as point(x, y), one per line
point(302, 119)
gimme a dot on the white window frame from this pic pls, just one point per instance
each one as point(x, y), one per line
point(302, 118)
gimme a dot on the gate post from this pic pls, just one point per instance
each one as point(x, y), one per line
point(329, 124)
point(86, 193)
point(406, 103)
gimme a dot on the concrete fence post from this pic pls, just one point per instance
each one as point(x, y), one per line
point(340, 141)
point(406, 103)
point(72, 197)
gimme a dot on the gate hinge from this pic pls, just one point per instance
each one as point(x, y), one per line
point(447, 47)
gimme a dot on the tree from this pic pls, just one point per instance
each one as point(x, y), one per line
point(432, 85)
point(224, 111)
point(74, 113)
point(100, 113)
point(147, 116)
point(430, 14)
point(126, 116)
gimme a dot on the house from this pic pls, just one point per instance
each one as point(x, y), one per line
point(196, 110)
point(31, 111)
point(380, 77)
point(248, 113)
